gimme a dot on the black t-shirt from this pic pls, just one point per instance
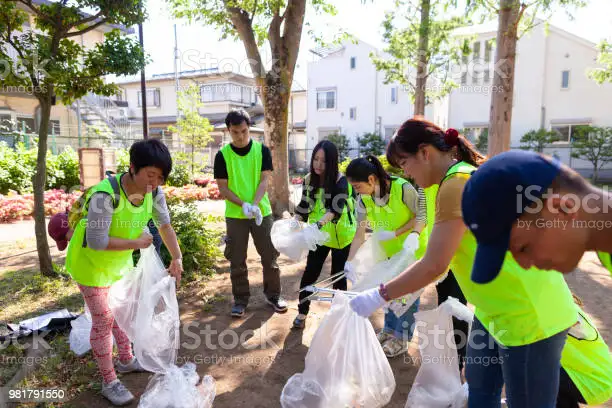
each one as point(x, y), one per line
point(220, 171)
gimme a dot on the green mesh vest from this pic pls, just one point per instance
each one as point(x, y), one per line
point(391, 216)
point(244, 175)
point(341, 231)
point(520, 306)
point(103, 268)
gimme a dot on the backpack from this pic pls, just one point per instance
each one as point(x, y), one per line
point(75, 214)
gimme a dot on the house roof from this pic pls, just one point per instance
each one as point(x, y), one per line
point(193, 74)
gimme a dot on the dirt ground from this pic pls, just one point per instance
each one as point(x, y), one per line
point(254, 372)
point(266, 352)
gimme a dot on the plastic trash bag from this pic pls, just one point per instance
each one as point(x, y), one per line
point(345, 365)
point(80, 334)
point(294, 239)
point(178, 388)
point(438, 382)
point(369, 254)
point(382, 271)
point(144, 305)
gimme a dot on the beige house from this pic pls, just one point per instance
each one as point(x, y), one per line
point(87, 122)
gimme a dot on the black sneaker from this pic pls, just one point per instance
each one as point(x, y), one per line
point(238, 310)
point(279, 305)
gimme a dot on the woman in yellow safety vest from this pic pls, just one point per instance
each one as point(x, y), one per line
point(327, 204)
point(521, 319)
point(397, 213)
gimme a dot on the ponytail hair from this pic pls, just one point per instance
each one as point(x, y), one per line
point(416, 132)
point(361, 169)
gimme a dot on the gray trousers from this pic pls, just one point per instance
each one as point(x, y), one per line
point(236, 245)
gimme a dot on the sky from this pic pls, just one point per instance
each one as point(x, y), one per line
point(200, 47)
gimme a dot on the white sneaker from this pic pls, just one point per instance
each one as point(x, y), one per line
point(116, 393)
point(131, 367)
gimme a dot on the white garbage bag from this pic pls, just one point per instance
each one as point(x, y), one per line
point(80, 334)
point(382, 271)
point(294, 239)
point(345, 365)
point(369, 254)
point(144, 305)
point(178, 388)
point(438, 382)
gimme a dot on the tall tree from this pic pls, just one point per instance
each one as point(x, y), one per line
point(57, 68)
point(193, 129)
point(603, 73)
point(593, 144)
point(278, 23)
point(423, 48)
point(512, 20)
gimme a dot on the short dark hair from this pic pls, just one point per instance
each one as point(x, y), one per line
point(236, 117)
point(151, 152)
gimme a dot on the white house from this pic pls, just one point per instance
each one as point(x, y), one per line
point(346, 95)
point(552, 89)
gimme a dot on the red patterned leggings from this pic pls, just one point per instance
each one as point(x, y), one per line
point(103, 329)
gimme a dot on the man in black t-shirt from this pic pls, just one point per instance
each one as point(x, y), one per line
point(242, 170)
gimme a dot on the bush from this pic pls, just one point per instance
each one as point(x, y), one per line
point(199, 244)
point(342, 144)
point(63, 170)
point(123, 160)
point(17, 167)
point(180, 175)
point(371, 143)
point(383, 160)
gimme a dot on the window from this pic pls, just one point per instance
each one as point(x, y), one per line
point(394, 92)
point(476, 76)
point(54, 127)
point(353, 62)
point(565, 77)
point(26, 124)
point(567, 133)
point(5, 122)
point(488, 50)
point(326, 99)
point(389, 132)
point(476, 50)
point(353, 113)
point(152, 97)
point(474, 133)
point(325, 133)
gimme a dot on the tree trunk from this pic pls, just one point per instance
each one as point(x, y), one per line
point(500, 120)
point(40, 227)
point(276, 102)
point(192, 160)
point(595, 173)
point(421, 79)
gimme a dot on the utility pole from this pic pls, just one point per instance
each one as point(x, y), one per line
point(176, 73)
point(143, 88)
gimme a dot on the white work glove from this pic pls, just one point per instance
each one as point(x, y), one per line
point(367, 302)
point(411, 244)
point(385, 235)
point(256, 212)
point(246, 210)
point(349, 272)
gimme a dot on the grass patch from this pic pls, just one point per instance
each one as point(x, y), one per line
point(26, 293)
point(210, 300)
point(9, 362)
point(63, 369)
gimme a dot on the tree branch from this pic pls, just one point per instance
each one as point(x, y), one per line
point(243, 25)
point(34, 9)
point(35, 82)
point(274, 34)
point(292, 31)
point(254, 10)
point(85, 30)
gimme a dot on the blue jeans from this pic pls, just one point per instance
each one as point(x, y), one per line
point(401, 327)
point(530, 372)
